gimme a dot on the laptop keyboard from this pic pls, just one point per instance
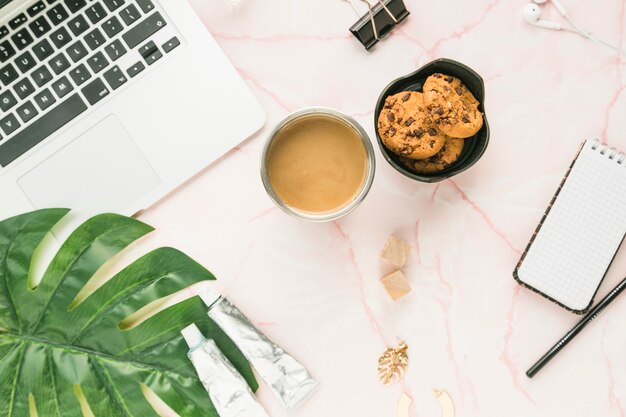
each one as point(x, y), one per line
point(60, 57)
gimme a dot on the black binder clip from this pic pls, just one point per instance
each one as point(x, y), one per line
point(379, 20)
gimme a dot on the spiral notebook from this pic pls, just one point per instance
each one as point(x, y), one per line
point(580, 232)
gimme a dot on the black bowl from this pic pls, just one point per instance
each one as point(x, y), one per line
point(474, 147)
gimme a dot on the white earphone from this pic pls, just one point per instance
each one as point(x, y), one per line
point(532, 14)
point(555, 3)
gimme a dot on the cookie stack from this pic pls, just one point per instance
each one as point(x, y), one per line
point(428, 130)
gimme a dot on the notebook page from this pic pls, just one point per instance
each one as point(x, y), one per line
point(582, 232)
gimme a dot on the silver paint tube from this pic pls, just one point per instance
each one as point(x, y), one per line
point(227, 389)
point(287, 378)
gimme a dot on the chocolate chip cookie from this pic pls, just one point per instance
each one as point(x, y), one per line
point(406, 129)
point(442, 160)
point(452, 106)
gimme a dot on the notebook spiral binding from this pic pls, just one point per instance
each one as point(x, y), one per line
point(611, 152)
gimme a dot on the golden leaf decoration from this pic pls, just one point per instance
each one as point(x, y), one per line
point(392, 364)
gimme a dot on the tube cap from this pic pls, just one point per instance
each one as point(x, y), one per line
point(193, 336)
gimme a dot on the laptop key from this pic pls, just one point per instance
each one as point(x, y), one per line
point(171, 44)
point(57, 14)
point(60, 37)
point(115, 50)
point(6, 51)
point(154, 57)
point(42, 76)
point(59, 63)
point(78, 25)
point(147, 49)
point(7, 101)
point(22, 39)
point(94, 39)
point(136, 69)
point(96, 13)
point(43, 49)
point(9, 125)
point(24, 88)
point(95, 91)
point(62, 86)
point(77, 51)
point(75, 5)
point(27, 111)
point(8, 74)
point(130, 14)
point(150, 52)
point(145, 5)
point(4, 31)
point(36, 8)
point(113, 5)
point(18, 21)
point(80, 74)
point(115, 77)
point(25, 62)
point(41, 128)
point(97, 62)
point(144, 29)
point(112, 27)
point(45, 99)
point(40, 26)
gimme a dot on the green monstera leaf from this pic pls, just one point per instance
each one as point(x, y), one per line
point(51, 350)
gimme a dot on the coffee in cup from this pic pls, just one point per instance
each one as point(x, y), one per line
point(318, 164)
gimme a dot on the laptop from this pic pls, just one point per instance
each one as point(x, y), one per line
point(108, 105)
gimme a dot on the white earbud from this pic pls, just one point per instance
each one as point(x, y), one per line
point(532, 14)
point(556, 3)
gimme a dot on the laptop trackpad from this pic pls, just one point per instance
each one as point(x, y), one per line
point(101, 170)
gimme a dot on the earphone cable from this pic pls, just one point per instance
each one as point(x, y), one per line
point(577, 29)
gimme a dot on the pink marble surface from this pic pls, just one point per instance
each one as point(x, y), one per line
point(315, 288)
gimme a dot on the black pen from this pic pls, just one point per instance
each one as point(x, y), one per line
point(595, 312)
